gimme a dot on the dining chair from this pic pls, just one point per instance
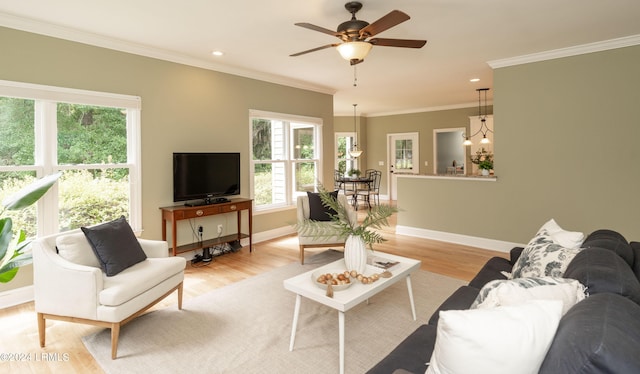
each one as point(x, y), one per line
point(337, 180)
point(374, 177)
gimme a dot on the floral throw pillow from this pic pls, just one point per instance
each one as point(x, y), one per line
point(542, 257)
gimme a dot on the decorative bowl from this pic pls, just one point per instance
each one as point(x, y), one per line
point(336, 287)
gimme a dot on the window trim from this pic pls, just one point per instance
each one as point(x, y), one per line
point(290, 162)
point(45, 162)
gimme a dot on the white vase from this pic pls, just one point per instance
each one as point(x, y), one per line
point(485, 172)
point(355, 254)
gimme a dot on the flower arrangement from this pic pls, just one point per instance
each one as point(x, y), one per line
point(483, 159)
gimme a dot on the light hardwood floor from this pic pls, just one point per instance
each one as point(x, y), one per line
point(67, 354)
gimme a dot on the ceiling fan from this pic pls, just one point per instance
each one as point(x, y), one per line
point(355, 34)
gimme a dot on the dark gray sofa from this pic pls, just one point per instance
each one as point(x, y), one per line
point(600, 334)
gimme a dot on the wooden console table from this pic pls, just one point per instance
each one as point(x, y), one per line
point(176, 213)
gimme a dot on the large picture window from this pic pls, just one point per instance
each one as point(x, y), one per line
point(285, 161)
point(92, 138)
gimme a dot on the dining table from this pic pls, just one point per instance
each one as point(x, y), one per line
point(357, 184)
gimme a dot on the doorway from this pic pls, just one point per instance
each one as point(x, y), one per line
point(449, 153)
point(402, 157)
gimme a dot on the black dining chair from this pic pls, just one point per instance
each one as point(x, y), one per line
point(374, 177)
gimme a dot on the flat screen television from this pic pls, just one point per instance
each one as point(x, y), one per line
point(205, 177)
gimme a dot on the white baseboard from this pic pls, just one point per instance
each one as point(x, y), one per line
point(472, 241)
point(272, 234)
point(16, 296)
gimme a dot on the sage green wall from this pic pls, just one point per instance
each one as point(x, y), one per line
point(184, 108)
point(566, 133)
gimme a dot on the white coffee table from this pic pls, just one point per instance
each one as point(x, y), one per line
point(303, 286)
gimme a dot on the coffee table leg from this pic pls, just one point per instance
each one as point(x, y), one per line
point(341, 334)
point(409, 288)
point(294, 325)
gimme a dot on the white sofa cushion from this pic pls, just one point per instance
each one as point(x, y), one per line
point(138, 278)
point(502, 340)
point(76, 248)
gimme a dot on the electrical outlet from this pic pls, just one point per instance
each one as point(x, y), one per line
point(200, 230)
point(219, 229)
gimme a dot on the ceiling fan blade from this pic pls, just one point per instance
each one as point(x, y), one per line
point(318, 28)
point(394, 18)
point(405, 43)
point(314, 49)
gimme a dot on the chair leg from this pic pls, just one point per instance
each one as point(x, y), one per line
point(115, 334)
point(301, 255)
point(180, 292)
point(42, 329)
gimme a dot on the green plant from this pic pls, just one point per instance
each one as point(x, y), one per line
point(13, 251)
point(377, 217)
point(483, 159)
point(355, 172)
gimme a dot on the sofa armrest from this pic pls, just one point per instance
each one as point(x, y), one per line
point(154, 248)
point(515, 254)
point(461, 299)
point(492, 270)
point(62, 287)
point(411, 355)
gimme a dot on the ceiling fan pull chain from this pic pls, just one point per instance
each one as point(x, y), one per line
point(355, 76)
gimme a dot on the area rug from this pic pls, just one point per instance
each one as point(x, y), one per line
point(245, 328)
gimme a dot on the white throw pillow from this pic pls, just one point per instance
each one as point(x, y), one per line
point(76, 248)
point(503, 340)
point(543, 257)
point(509, 292)
point(568, 239)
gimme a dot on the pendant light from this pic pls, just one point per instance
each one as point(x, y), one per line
point(484, 129)
point(355, 152)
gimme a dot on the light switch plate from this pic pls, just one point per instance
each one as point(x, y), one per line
point(380, 163)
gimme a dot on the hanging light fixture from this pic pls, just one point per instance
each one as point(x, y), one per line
point(355, 50)
point(355, 152)
point(484, 129)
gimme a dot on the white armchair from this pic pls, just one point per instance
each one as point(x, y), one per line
point(69, 284)
point(307, 239)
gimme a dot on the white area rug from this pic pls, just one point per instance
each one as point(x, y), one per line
point(245, 328)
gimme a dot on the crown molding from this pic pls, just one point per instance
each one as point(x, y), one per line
point(605, 45)
point(74, 35)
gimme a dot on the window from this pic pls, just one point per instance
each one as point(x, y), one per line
point(285, 161)
point(91, 137)
point(343, 160)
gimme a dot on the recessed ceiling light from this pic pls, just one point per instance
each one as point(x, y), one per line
point(217, 53)
point(474, 80)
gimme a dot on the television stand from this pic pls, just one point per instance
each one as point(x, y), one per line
point(177, 213)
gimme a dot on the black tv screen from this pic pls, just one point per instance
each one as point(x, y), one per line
point(205, 176)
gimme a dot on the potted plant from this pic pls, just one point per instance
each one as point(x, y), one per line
point(484, 160)
point(13, 250)
point(354, 172)
point(358, 236)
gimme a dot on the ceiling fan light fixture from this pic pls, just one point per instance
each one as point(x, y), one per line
point(354, 50)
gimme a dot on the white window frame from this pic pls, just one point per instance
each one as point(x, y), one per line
point(46, 160)
point(289, 161)
point(347, 157)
